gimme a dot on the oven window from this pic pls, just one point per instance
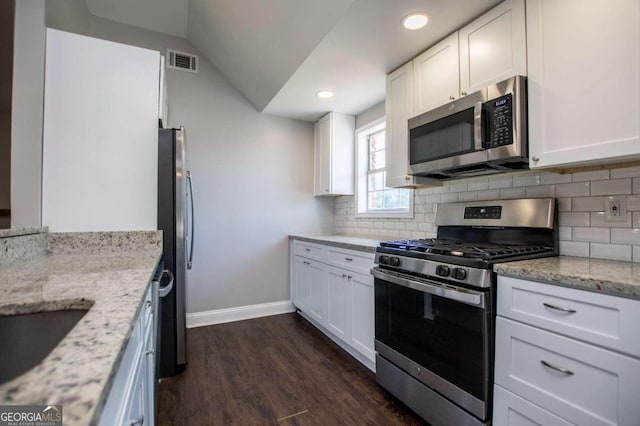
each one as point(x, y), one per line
point(442, 335)
point(451, 135)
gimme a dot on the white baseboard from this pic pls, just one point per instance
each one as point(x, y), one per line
point(219, 316)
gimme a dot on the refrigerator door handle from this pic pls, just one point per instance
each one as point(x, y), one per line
point(164, 291)
point(192, 222)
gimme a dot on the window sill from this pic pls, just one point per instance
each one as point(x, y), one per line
point(384, 215)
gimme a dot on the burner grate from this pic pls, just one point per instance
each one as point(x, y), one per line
point(468, 250)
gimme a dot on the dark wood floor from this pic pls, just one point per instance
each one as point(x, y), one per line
point(276, 370)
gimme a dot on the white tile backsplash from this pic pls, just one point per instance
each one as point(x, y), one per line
point(611, 187)
point(583, 231)
point(611, 251)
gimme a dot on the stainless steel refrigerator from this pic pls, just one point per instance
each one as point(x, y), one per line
point(176, 220)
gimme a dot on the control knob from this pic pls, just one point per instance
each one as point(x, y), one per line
point(394, 261)
point(383, 259)
point(442, 270)
point(459, 273)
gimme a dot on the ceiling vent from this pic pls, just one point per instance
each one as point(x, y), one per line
point(182, 61)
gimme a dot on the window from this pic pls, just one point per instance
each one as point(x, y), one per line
point(373, 198)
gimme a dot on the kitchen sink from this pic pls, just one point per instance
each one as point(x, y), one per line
point(26, 339)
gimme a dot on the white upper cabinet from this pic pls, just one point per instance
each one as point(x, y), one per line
point(399, 107)
point(436, 75)
point(490, 49)
point(493, 47)
point(334, 150)
point(584, 81)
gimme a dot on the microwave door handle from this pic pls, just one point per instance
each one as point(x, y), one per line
point(477, 126)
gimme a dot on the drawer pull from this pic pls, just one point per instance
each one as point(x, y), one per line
point(344, 275)
point(556, 368)
point(559, 308)
point(348, 259)
point(349, 277)
point(307, 249)
point(138, 421)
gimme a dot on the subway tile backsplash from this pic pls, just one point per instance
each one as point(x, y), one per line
point(581, 196)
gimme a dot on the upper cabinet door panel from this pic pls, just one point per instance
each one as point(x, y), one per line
point(436, 75)
point(584, 81)
point(493, 47)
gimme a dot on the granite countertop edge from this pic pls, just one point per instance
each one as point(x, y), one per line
point(349, 242)
point(79, 372)
point(615, 278)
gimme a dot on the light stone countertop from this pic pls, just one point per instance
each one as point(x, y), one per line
point(604, 276)
point(350, 242)
point(24, 230)
point(79, 372)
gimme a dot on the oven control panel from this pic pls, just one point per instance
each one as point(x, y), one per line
point(483, 212)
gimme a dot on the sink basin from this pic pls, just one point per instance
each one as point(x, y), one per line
point(26, 339)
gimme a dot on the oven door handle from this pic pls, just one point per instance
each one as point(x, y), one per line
point(469, 297)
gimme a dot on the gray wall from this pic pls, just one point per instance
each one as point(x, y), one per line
point(253, 178)
point(372, 114)
point(27, 106)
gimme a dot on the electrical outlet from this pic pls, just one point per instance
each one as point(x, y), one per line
point(615, 208)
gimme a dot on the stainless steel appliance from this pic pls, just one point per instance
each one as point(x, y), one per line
point(481, 133)
point(176, 220)
point(435, 304)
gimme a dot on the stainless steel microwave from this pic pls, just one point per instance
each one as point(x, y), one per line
point(481, 133)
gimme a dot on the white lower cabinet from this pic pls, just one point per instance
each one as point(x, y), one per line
point(336, 296)
point(544, 374)
point(339, 318)
point(131, 400)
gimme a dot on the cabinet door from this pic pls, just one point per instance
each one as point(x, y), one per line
point(317, 290)
point(436, 75)
point(574, 380)
point(300, 283)
point(398, 108)
point(493, 47)
point(362, 321)
point(339, 306)
point(584, 81)
point(511, 410)
point(322, 175)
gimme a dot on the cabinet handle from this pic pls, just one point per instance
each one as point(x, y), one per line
point(348, 259)
point(452, 98)
point(349, 277)
point(464, 93)
point(559, 308)
point(147, 304)
point(344, 275)
point(326, 190)
point(138, 421)
point(556, 368)
point(307, 249)
point(407, 178)
point(149, 352)
point(535, 159)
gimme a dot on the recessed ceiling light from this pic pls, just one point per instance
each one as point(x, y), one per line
point(415, 20)
point(324, 94)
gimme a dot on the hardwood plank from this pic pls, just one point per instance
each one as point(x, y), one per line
point(279, 367)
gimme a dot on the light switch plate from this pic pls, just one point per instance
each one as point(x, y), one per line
point(615, 208)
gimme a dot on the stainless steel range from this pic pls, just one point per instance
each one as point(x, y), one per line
point(435, 304)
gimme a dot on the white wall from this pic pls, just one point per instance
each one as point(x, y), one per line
point(370, 115)
point(253, 180)
point(27, 105)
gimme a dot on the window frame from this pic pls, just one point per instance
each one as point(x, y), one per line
point(362, 173)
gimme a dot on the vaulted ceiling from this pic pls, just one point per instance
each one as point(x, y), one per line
point(279, 53)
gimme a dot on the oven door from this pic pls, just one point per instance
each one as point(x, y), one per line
point(448, 137)
point(440, 334)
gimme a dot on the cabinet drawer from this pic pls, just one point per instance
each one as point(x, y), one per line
point(597, 387)
point(511, 410)
point(357, 261)
point(309, 250)
point(604, 320)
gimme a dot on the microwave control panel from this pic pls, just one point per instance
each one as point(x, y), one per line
point(498, 122)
